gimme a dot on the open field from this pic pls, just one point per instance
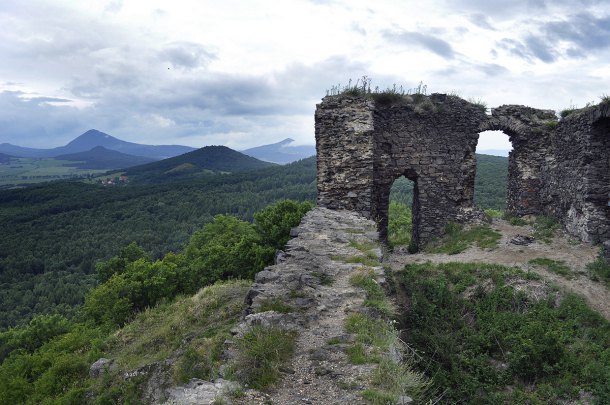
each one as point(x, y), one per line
point(20, 171)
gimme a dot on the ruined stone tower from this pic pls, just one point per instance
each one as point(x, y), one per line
point(559, 168)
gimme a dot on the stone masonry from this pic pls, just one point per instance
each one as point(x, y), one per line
point(557, 167)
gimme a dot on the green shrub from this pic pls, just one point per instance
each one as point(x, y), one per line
point(568, 111)
point(515, 221)
point(493, 344)
point(551, 125)
point(273, 223)
point(37, 332)
point(480, 104)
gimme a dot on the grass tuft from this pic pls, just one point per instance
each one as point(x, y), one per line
point(275, 304)
point(375, 296)
point(554, 266)
point(513, 220)
point(599, 269)
point(457, 239)
point(545, 228)
point(261, 353)
point(325, 279)
point(492, 213)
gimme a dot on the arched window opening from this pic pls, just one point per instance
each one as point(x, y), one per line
point(490, 186)
point(400, 215)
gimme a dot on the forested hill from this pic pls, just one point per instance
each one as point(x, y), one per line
point(102, 158)
point(54, 233)
point(5, 158)
point(206, 160)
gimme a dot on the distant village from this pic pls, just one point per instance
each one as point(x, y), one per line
point(113, 181)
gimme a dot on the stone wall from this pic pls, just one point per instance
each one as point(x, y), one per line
point(558, 168)
point(577, 177)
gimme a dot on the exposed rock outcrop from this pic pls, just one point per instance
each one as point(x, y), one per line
point(312, 278)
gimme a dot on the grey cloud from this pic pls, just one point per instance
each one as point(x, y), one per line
point(540, 48)
point(584, 31)
point(358, 28)
point(458, 68)
point(515, 48)
point(127, 98)
point(187, 55)
point(429, 42)
point(491, 69)
point(482, 21)
point(29, 123)
point(500, 9)
point(49, 100)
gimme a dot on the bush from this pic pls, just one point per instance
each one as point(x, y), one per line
point(226, 248)
point(274, 222)
point(40, 330)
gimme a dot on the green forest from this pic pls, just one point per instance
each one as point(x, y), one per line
point(55, 233)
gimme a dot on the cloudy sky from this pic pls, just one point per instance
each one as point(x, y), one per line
point(245, 72)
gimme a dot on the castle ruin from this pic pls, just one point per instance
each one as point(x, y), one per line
point(559, 168)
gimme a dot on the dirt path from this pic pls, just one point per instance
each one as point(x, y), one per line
point(576, 255)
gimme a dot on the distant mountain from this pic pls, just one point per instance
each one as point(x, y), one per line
point(93, 138)
point(282, 152)
point(494, 152)
point(205, 160)
point(20, 151)
point(5, 158)
point(102, 158)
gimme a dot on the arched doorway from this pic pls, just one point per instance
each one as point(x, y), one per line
point(490, 189)
point(400, 214)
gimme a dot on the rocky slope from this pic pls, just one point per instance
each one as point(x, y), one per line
point(313, 277)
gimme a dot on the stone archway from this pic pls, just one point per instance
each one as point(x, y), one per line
point(529, 132)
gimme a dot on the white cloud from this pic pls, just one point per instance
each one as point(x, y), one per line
point(247, 72)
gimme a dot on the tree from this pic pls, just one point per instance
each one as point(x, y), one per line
point(274, 222)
